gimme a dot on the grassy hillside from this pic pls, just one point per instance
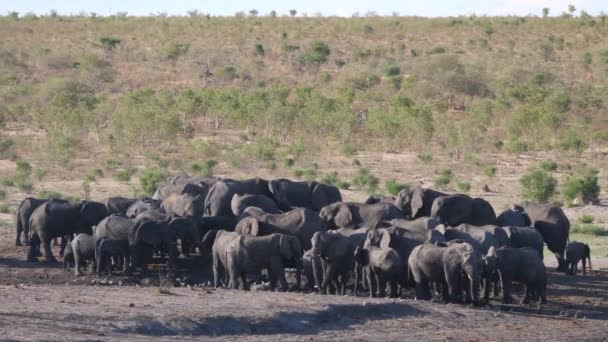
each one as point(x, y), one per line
point(117, 91)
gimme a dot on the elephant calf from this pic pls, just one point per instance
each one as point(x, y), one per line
point(384, 265)
point(575, 253)
point(523, 265)
point(106, 248)
point(80, 250)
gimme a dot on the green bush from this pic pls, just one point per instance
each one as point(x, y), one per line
point(24, 184)
point(8, 181)
point(364, 180)
point(348, 150)
point(259, 50)
point(582, 186)
point(112, 164)
point(204, 169)
point(588, 229)
point(298, 173)
point(444, 178)
point(436, 50)
point(174, 52)
point(392, 70)
point(263, 149)
point(490, 171)
point(125, 175)
point(315, 55)
point(548, 165)
point(151, 178)
point(393, 187)
point(40, 174)
point(538, 185)
point(24, 167)
point(109, 43)
point(586, 219)
point(463, 186)
point(289, 162)
point(425, 157)
point(49, 194)
point(571, 141)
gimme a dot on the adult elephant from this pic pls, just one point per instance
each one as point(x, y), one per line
point(310, 195)
point(481, 240)
point(554, 226)
point(217, 241)
point(165, 190)
point(118, 204)
point(59, 219)
point(142, 205)
point(219, 198)
point(416, 201)
point(336, 252)
point(241, 202)
point(501, 236)
point(187, 229)
point(114, 227)
point(453, 210)
point(514, 216)
point(380, 199)
point(184, 205)
point(356, 215)
point(525, 237)
point(25, 210)
point(146, 236)
point(448, 266)
point(301, 223)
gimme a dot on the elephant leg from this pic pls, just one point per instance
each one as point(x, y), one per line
point(55, 242)
point(380, 280)
point(48, 253)
point(528, 294)
point(216, 271)
point(244, 283)
point(18, 238)
point(62, 245)
point(277, 270)
point(99, 262)
point(370, 281)
point(486, 289)
point(506, 289)
point(330, 270)
point(584, 266)
point(34, 245)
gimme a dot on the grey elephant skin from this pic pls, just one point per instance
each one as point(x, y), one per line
point(309, 195)
point(165, 190)
point(239, 203)
point(105, 249)
point(56, 219)
point(380, 199)
point(81, 249)
point(421, 223)
point(118, 204)
point(500, 235)
point(554, 226)
point(184, 205)
point(522, 265)
point(300, 222)
point(382, 264)
point(217, 242)
point(356, 215)
point(416, 201)
point(577, 252)
point(142, 205)
point(255, 253)
point(24, 211)
point(481, 240)
point(454, 210)
point(525, 237)
point(148, 234)
point(448, 266)
point(219, 198)
point(514, 216)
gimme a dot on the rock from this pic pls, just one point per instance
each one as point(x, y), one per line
point(131, 305)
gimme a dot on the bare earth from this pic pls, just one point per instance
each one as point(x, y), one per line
point(43, 302)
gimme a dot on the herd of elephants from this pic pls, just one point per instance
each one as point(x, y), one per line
point(448, 245)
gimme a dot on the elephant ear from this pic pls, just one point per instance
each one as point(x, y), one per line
point(343, 217)
point(441, 228)
point(234, 204)
point(277, 190)
point(385, 238)
point(248, 226)
point(416, 202)
point(527, 220)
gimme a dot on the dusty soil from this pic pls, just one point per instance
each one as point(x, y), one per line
point(43, 302)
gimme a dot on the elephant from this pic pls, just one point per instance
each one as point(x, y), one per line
point(451, 266)
point(219, 223)
point(115, 227)
point(59, 219)
point(118, 205)
point(188, 231)
point(489, 274)
point(453, 210)
point(525, 237)
point(148, 234)
point(414, 229)
point(421, 223)
point(81, 249)
point(384, 265)
point(525, 266)
point(202, 181)
point(219, 198)
point(309, 195)
point(336, 252)
point(165, 190)
point(300, 222)
point(514, 216)
point(271, 252)
point(142, 205)
point(357, 215)
point(481, 240)
point(576, 252)
point(241, 202)
point(25, 210)
point(184, 205)
point(554, 226)
point(501, 236)
point(217, 241)
point(380, 199)
point(416, 201)
point(106, 248)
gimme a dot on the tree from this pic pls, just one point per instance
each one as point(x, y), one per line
point(538, 185)
point(571, 9)
point(293, 12)
point(545, 12)
point(109, 43)
point(253, 13)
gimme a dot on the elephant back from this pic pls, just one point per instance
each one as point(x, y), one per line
point(115, 227)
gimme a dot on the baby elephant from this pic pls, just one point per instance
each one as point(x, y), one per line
point(106, 248)
point(80, 250)
point(384, 265)
point(575, 252)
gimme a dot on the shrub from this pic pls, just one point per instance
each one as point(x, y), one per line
point(40, 174)
point(5, 208)
point(463, 186)
point(436, 50)
point(8, 182)
point(315, 55)
point(263, 149)
point(24, 184)
point(151, 178)
point(348, 150)
point(571, 141)
point(588, 229)
point(444, 178)
point(582, 186)
point(586, 219)
point(538, 185)
point(2, 194)
point(174, 52)
point(364, 180)
point(548, 165)
point(425, 157)
point(392, 70)
point(49, 194)
point(204, 169)
point(24, 167)
point(289, 162)
point(259, 50)
point(490, 171)
point(125, 174)
point(109, 43)
point(112, 164)
point(393, 187)
point(298, 173)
